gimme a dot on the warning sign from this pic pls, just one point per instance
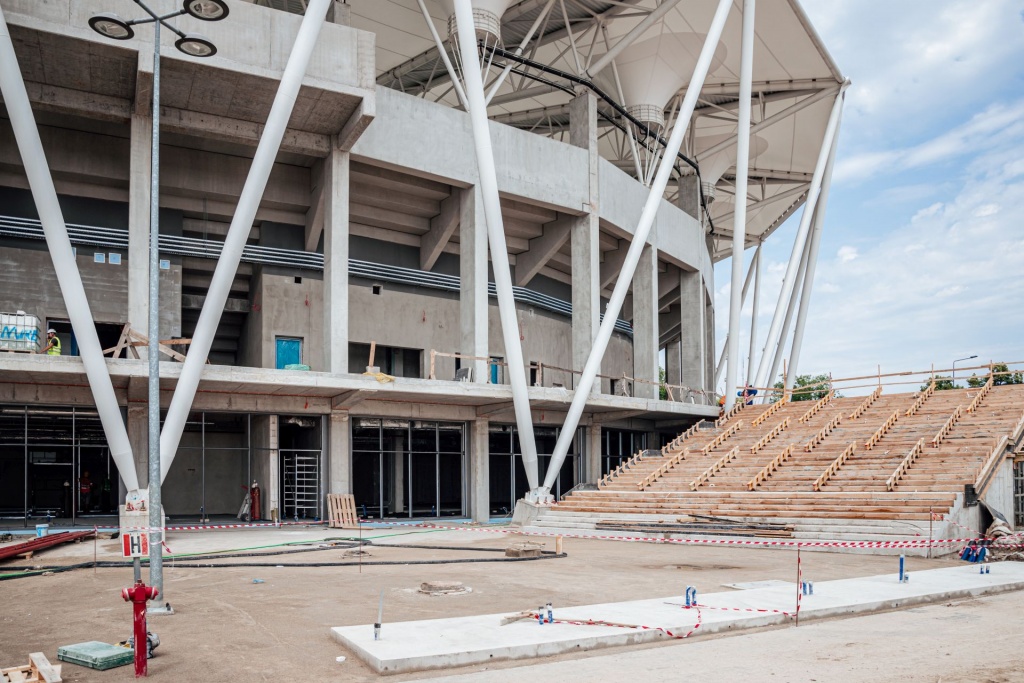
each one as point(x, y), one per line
point(135, 544)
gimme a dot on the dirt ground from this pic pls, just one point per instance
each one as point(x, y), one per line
point(226, 627)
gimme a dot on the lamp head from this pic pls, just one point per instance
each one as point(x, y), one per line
point(112, 26)
point(207, 10)
point(196, 45)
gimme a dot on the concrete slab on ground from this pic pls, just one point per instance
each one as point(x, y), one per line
point(445, 643)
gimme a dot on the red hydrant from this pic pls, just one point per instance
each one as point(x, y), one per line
point(138, 595)
point(254, 502)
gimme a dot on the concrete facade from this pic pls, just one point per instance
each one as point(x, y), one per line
point(366, 175)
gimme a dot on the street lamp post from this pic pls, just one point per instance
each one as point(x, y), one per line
point(194, 45)
point(957, 361)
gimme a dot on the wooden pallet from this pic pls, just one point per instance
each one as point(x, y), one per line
point(341, 511)
point(38, 670)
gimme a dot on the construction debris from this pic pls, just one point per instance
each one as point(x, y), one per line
point(444, 588)
point(525, 549)
point(38, 670)
point(701, 525)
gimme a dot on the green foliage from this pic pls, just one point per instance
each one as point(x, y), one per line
point(662, 389)
point(1009, 378)
point(1002, 376)
point(943, 384)
point(820, 384)
point(976, 382)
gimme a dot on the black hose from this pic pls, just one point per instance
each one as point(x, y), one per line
point(195, 565)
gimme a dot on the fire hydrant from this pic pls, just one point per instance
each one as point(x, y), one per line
point(138, 595)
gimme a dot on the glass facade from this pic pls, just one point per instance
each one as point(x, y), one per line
point(618, 446)
point(507, 476)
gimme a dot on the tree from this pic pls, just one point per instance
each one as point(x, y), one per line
point(819, 387)
point(943, 384)
point(1006, 377)
point(662, 389)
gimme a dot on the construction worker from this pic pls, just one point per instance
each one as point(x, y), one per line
point(52, 343)
point(85, 491)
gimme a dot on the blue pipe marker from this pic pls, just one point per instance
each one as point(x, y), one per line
point(903, 561)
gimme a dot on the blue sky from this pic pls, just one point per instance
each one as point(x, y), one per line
point(922, 255)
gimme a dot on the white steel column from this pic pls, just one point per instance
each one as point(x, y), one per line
point(496, 235)
point(753, 315)
point(720, 366)
point(812, 262)
point(52, 218)
point(739, 225)
point(780, 350)
point(643, 229)
point(799, 242)
point(238, 233)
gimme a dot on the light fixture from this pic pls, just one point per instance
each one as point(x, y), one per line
point(196, 45)
point(207, 10)
point(112, 26)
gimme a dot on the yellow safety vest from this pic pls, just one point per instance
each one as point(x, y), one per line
point(55, 349)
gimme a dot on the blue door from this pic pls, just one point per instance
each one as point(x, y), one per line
point(289, 352)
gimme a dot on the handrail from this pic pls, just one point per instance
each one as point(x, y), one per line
point(817, 406)
point(658, 473)
point(766, 439)
point(922, 397)
point(768, 413)
point(720, 439)
point(767, 470)
point(981, 395)
point(831, 470)
point(880, 432)
point(985, 474)
point(623, 466)
point(941, 435)
point(1019, 429)
point(866, 404)
point(729, 415)
point(710, 472)
point(905, 464)
point(678, 441)
point(823, 432)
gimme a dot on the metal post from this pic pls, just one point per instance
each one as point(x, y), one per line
point(799, 242)
point(812, 262)
point(12, 87)
point(496, 236)
point(720, 366)
point(643, 229)
point(788, 320)
point(156, 557)
point(238, 233)
point(739, 225)
point(753, 315)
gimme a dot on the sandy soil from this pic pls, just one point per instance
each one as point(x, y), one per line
point(228, 628)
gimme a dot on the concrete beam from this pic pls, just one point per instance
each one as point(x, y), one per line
point(315, 214)
point(645, 324)
point(442, 227)
point(554, 236)
point(493, 408)
point(612, 264)
point(350, 399)
point(195, 302)
point(361, 118)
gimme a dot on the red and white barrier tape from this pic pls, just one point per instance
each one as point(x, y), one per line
point(736, 609)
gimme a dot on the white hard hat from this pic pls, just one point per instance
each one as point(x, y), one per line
point(51, 331)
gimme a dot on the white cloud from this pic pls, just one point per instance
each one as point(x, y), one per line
point(846, 254)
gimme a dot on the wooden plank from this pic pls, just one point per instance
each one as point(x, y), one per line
point(44, 671)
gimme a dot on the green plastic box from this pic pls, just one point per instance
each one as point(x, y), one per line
point(96, 655)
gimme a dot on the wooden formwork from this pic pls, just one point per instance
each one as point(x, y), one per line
point(341, 511)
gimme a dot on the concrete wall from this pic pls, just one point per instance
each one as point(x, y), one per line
point(282, 307)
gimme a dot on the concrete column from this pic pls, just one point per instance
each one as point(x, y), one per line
point(645, 323)
point(592, 461)
point(398, 490)
point(138, 437)
point(336, 237)
point(138, 231)
point(340, 13)
point(479, 470)
point(673, 374)
point(584, 238)
point(689, 197)
point(473, 299)
point(340, 452)
point(692, 318)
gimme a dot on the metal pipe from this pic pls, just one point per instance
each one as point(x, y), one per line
point(628, 39)
point(156, 558)
point(519, 50)
point(790, 308)
point(739, 225)
point(795, 257)
point(496, 237)
point(819, 224)
point(643, 229)
point(70, 280)
point(743, 300)
point(773, 119)
point(238, 233)
point(444, 53)
point(753, 315)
